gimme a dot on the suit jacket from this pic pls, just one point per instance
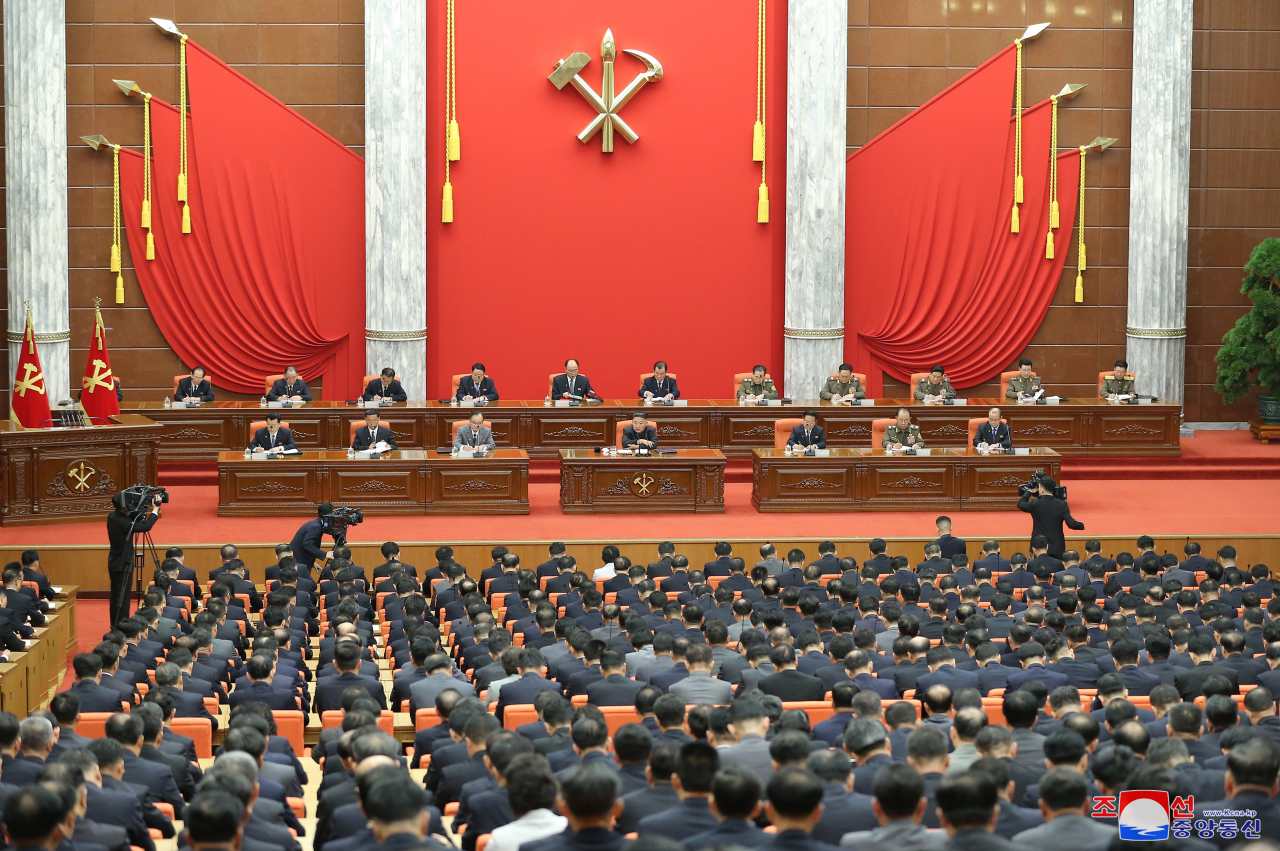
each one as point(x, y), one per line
point(178, 765)
point(948, 675)
point(468, 436)
point(560, 386)
point(1002, 435)
point(643, 803)
point(701, 687)
point(158, 780)
point(690, 816)
point(281, 390)
point(630, 439)
point(467, 387)
point(1190, 683)
point(752, 753)
point(363, 439)
point(817, 437)
point(522, 691)
point(394, 390)
point(261, 692)
point(202, 392)
point(614, 690)
point(328, 694)
point(96, 698)
point(1048, 514)
point(659, 391)
point(283, 439)
point(112, 807)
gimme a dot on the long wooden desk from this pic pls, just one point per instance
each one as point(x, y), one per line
point(30, 678)
point(950, 479)
point(1076, 427)
point(404, 481)
point(67, 475)
point(689, 480)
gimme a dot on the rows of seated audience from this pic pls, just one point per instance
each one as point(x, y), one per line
point(792, 703)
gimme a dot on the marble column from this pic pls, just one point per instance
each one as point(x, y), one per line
point(817, 94)
point(1159, 186)
point(35, 158)
point(395, 193)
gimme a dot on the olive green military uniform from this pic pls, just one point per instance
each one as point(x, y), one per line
point(750, 388)
point(1028, 386)
point(1111, 386)
point(909, 436)
point(924, 388)
point(835, 388)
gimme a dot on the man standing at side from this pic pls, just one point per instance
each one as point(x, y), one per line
point(1048, 513)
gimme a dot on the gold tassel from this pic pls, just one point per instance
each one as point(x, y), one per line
point(1017, 136)
point(119, 289)
point(186, 219)
point(182, 188)
point(1081, 264)
point(1013, 225)
point(182, 123)
point(151, 246)
point(757, 143)
point(762, 208)
point(455, 144)
point(1053, 172)
point(446, 207)
point(1079, 288)
point(115, 258)
point(1053, 215)
point(1017, 189)
point(1048, 246)
point(146, 214)
point(757, 136)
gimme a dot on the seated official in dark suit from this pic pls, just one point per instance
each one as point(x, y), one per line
point(475, 433)
point(372, 433)
point(476, 386)
point(993, 432)
point(640, 435)
point(571, 385)
point(194, 388)
point(385, 388)
point(272, 437)
point(659, 386)
point(808, 433)
point(290, 387)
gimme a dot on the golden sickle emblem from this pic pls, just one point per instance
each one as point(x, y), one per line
point(610, 101)
point(81, 474)
point(643, 481)
point(101, 377)
point(29, 381)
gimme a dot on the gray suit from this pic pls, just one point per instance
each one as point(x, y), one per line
point(1065, 833)
point(701, 687)
point(773, 564)
point(466, 438)
point(897, 835)
point(752, 753)
point(423, 692)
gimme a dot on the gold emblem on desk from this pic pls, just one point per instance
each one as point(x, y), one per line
point(610, 101)
point(80, 476)
point(642, 485)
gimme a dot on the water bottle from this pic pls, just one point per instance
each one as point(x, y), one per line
point(453, 451)
point(262, 403)
point(546, 403)
point(351, 453)
point(167, 403)
point(248, 451)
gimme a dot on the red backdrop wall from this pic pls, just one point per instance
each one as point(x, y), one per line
point(557, 250)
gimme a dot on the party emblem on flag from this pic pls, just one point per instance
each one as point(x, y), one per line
point(29, 402)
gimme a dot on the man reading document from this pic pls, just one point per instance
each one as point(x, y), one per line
point(371, 435)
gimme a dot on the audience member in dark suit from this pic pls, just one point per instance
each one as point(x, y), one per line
point(571, 384)
point(477, 386)
point(194, 388)
point(808, 433)
point(788, 684)
point(273, 436)
point(660, 386)
point(994, 432)
point(93, 697)
point(1190, 682)
point(385, 388)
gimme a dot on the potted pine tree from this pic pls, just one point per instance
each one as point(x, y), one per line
point(1250, 353)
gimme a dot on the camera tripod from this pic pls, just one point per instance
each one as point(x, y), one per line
point(142, 543)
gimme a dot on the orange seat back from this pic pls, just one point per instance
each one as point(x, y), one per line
point(457, 379)
point(291, 725)
point(817, 710)
point(782, 430)
point(915, 379)
point(197, 729)
point(522, 713)
point(976, 423)
point(877, 431)
point(426, 718)
point(93, 725)
point(551, 381)
point(269, 381)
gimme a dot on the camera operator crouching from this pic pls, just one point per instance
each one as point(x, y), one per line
point(329, 521)
point(1047, 504)
point(136, 510)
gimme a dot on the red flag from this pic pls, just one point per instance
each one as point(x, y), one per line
point(29, 400)
point(98, 393)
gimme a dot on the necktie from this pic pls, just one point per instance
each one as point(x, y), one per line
point(273, 438)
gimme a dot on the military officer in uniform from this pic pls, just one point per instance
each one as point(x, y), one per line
point(845, 387)
point(934, 387)
point(902, 433)
point(1024, 385)
point(1118, 383)
point(757, 387)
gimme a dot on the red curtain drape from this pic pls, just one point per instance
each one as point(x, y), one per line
point(933, 274)
point(272, 273)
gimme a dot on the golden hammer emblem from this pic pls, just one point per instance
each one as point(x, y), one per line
point(642, 484)
point(28, 381)
point(101, 377)
point(610, 101)
point(81, 475)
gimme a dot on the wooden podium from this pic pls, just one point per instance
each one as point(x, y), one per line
point(65, 475)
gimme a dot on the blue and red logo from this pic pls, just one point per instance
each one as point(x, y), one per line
point(1144, 814)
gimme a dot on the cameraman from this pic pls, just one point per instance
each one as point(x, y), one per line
point(306, 541)
point(1048, 513)
point(122, 524)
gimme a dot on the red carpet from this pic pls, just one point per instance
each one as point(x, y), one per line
point(1178, 507)
point(1208, 455)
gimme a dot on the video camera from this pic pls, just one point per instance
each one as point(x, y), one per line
point(336, 522)
point(140, 498)
point(1033, 486)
